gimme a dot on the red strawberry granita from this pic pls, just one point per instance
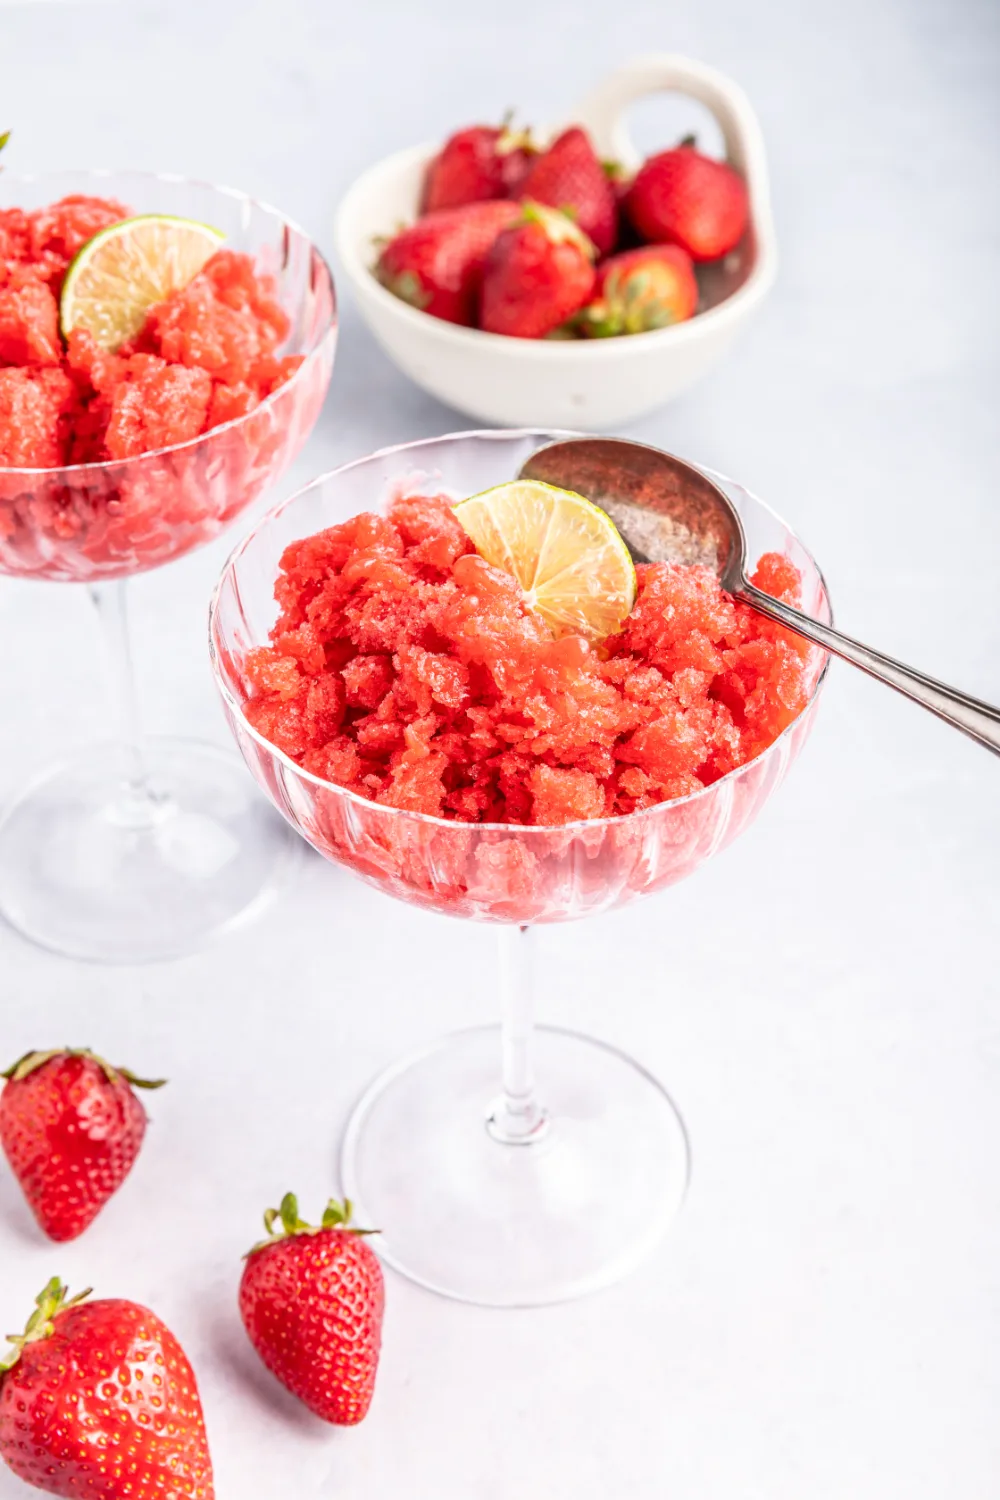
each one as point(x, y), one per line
point(205, 355)
point(135, 457)
point(407, 669)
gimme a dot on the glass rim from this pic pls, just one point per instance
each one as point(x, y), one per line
point(432, 819)
point(106, 465)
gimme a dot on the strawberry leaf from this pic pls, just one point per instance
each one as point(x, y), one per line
point(289, 1211)
point(51, 1301)
point(29, 1063)
point(336, 1214)
point(284, 1223)
point(142, 1083)
point(32, 1061)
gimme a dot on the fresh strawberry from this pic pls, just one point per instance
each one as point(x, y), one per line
point(98, 1399)
point(437, 264)
point(640, 290)
point(71, 1126)
point(539, 273)
point(570, 176)
point(312, 1301)
point(691, 200)
point(475, 165)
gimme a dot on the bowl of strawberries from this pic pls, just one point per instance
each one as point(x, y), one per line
point(570, 283)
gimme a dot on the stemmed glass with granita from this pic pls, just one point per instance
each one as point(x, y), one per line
point(165, 348)
point(447, 722)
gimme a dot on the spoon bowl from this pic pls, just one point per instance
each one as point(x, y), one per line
point(667, 510)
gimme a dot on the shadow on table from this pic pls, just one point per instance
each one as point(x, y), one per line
point(15, 1215)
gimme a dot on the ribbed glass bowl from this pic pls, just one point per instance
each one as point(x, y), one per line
point(489, 872)
point(109, 520)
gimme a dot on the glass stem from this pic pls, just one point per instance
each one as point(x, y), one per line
point(138, 806)
point(517, 1118)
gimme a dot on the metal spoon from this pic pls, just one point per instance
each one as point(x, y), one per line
point(668, 511)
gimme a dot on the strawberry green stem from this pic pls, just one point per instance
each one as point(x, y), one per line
point(284, 1222)
point(559, 226)
point(511, 140)
point(32, 1061)
point(51, 1301)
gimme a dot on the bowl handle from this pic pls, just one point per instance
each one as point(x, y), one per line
point(603, 111)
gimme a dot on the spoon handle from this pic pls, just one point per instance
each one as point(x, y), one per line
point(980, 721)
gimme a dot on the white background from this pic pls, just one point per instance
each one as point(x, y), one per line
point(824, 1322)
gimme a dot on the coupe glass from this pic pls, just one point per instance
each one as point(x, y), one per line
point(486, 1186)
point(141, 849)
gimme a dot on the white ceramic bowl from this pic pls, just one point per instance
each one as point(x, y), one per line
point(594, 384)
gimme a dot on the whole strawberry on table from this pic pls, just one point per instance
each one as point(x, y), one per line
point(98, 1399)
point(312, 1299)
point(71, 1127)
point(554, 243)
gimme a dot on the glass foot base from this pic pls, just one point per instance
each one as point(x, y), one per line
point(93, 872)
point(471, 1217)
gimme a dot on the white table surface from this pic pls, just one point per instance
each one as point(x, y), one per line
point(824, 1322)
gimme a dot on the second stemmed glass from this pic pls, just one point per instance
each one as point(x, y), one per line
point(141, 849)
point(488, 1186)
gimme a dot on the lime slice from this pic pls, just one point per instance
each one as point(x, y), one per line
point(126, 269)
point(565, 553)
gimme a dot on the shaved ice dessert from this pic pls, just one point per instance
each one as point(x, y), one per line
point(204, 356)
point(410, 671)
point(108, 500)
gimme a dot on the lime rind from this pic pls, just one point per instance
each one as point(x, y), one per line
point(125, 269)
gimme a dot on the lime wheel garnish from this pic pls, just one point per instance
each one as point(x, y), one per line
point(128, 268)
point(565, 553)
